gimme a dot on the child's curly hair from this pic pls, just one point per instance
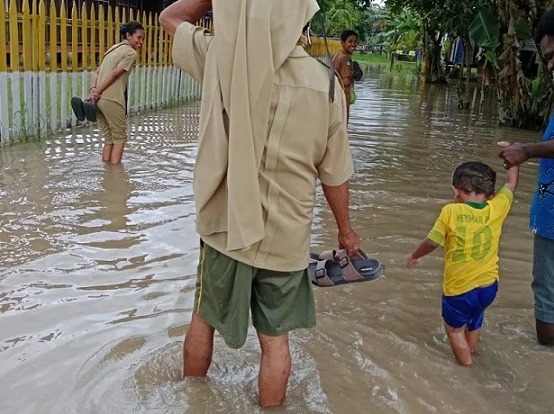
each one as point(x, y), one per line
point(474, 177)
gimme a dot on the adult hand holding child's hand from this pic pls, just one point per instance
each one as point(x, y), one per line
point(513, 154)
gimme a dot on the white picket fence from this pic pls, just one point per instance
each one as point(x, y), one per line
point(37, 104)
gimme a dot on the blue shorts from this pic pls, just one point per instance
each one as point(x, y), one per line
point(468, 308)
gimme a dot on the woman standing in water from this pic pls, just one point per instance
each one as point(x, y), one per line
point(108, 91)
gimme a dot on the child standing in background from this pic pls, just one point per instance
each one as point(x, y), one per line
point(344, 66)
point(469, 231)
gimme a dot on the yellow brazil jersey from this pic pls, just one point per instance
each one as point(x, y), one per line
point(470, 235)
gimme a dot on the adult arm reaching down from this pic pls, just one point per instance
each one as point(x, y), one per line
point(338, 199)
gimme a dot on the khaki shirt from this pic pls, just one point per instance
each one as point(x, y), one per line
point(121, 55)
point(307, 140)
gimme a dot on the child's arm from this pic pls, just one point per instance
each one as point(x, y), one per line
point(512, 173)
point(425, 247)
point(512, 178)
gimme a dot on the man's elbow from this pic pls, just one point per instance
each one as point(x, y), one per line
point(167, 21)
point(334, 187)
point(164, 18)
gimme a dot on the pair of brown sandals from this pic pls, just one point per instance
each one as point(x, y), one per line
point(335, 267)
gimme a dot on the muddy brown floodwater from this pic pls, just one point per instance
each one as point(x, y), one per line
point(98, 263)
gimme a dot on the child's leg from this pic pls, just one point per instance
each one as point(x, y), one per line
point(472, 338)
point(486, 295)
point(459, 344)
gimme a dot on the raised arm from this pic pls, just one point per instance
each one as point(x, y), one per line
point(512, 178)
point(514, 153)
point(183, 11)
point(338, 199)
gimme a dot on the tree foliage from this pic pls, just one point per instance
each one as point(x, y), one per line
point(402, 29)
point(496, 26)
point(360, 16)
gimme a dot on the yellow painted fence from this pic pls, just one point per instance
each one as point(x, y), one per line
point(46, 57)
point(317, 48)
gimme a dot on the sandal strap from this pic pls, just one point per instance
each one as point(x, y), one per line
point(321, 276)
point(327, 255)
point(349, 272)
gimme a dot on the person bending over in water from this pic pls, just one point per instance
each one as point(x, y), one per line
point(469, 231)
point(107, 99)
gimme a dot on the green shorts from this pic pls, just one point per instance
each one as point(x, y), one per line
point(227, 290)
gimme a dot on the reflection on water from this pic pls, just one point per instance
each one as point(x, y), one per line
point(98, 266)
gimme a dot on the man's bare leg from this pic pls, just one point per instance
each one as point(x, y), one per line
point(545, 333)
point(459, 344)
point(473, 339)
point(274, 370)
point(198, 348)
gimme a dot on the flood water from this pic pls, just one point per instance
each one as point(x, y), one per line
point(98, 265)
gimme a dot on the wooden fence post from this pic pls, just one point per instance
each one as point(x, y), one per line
point(93, 40)
point(27, 38)
point(53, 38)
point(15, 81)
point(4, 114)
point(84, 53)
point(42, 118)
point(101, 34)
point(148, 54)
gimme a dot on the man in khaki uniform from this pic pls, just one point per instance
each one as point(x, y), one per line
point(268, 131)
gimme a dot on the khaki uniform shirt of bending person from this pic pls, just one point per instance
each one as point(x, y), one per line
point(268, 131)
point(108, 90)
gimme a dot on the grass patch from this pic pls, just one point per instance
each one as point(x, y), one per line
point(401, 66)
point(372, 58)
point(384, 60)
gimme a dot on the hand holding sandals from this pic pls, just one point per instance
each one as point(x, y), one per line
point(350, 241)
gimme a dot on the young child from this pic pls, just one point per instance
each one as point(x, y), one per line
point(469, 231)
point(344, 66)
